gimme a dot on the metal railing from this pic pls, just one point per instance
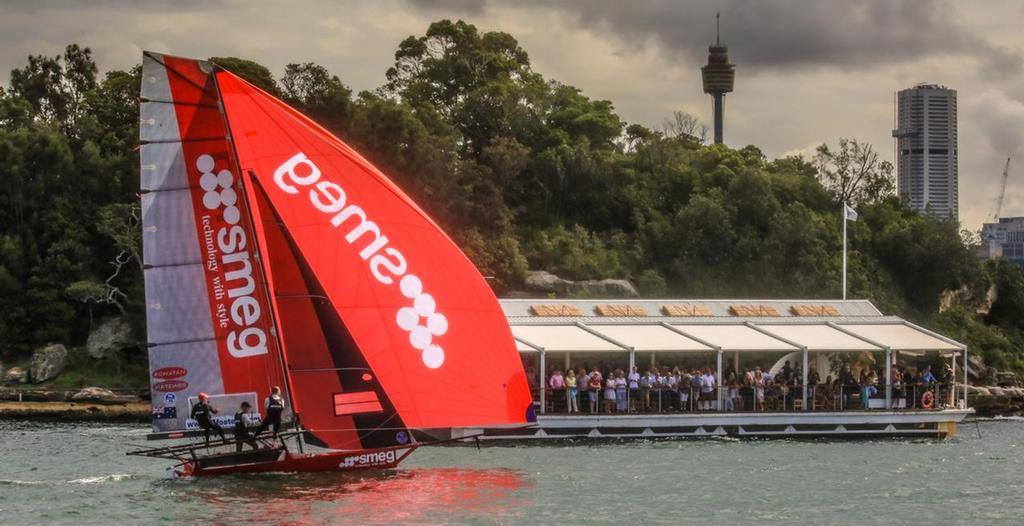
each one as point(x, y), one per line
point(752, 399)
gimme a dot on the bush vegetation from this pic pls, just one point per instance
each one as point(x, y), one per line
point(523, 172)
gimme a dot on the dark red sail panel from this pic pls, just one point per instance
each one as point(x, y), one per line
point(416, 308)
point(295, 309)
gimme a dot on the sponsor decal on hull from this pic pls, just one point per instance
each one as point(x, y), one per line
point(364, 460)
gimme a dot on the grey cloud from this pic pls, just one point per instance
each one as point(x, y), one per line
point(1000, 120)
point(856, 34)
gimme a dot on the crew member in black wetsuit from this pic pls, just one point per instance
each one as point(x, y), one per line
point(203, 413)
point(274, 405)
point(242, 428)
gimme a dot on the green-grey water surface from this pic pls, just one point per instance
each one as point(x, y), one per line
point(78, 474)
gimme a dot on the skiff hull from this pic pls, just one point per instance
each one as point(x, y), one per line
point(281, 461)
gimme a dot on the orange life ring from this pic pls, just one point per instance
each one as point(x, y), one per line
point(928, 400)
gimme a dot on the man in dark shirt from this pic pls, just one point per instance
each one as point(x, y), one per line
point(203, 413)
point(274, 406)
point(242, 428)
point(787, 372)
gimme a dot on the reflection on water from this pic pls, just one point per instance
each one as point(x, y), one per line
point(381, 497)
point(78, 475)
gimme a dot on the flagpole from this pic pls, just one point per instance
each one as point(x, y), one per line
point(844, 248)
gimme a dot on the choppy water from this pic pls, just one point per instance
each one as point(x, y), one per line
point(78, 474)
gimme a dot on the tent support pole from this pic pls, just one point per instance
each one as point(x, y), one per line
point(803, 381)
point(718, 382)
point(965, 377)
point(543, 383)
point(888, 378)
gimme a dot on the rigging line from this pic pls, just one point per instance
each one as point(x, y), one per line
point(146, 266)
point(143, 142)
point(301, 296)
point(330, 369)
point(180, 103)
point(180, 342)
point(158, 190)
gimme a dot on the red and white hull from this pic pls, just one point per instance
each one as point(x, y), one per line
point(289, 462)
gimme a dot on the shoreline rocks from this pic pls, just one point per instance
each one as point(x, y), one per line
point(47, 362)
point(15, 375)
point(74, 411)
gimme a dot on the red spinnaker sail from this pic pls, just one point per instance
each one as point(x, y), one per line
point(394, 287)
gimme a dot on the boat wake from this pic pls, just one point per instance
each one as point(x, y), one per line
point(85, 480)
point(104, 478)
point(998, 418)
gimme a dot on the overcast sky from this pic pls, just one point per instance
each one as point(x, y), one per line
point(807, 72)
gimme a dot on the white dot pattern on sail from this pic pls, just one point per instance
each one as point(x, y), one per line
point(218, 189)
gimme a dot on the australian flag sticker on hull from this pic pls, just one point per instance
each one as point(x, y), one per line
point(165, 413)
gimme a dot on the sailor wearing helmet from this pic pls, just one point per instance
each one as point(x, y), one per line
point(203, 413)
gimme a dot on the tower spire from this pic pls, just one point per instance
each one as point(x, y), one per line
point(718, 29)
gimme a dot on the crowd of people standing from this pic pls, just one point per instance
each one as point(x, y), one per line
point(662, 389)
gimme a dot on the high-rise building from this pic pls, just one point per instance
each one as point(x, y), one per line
point(926, 145)
point(718, 76)
point(1004, 239)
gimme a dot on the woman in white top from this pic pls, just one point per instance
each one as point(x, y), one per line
point(621, 402)
point(609, 394)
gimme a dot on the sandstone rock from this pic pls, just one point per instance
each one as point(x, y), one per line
point(47, 362)
point(109, 337)
point(548, 283)
point(543, 281)
point(15, 375)
point(973, 390)
point(102, 396)
point(997, 391)
point(92, 393)
point(617, 288)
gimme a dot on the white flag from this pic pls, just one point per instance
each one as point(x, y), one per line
point(851, 214)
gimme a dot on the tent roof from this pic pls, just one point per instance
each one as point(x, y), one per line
point(650, 338)
point(902, 337)
point(707, 325)
point(820, 337)
point(562, 338)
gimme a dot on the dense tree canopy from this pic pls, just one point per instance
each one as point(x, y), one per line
point(523, 172)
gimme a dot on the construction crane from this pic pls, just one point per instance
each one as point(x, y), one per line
point(1002, 192)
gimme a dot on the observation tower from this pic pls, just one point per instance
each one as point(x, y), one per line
point(719, 76)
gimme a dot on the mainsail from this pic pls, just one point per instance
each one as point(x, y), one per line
point(207, 307)
point(373, 318)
